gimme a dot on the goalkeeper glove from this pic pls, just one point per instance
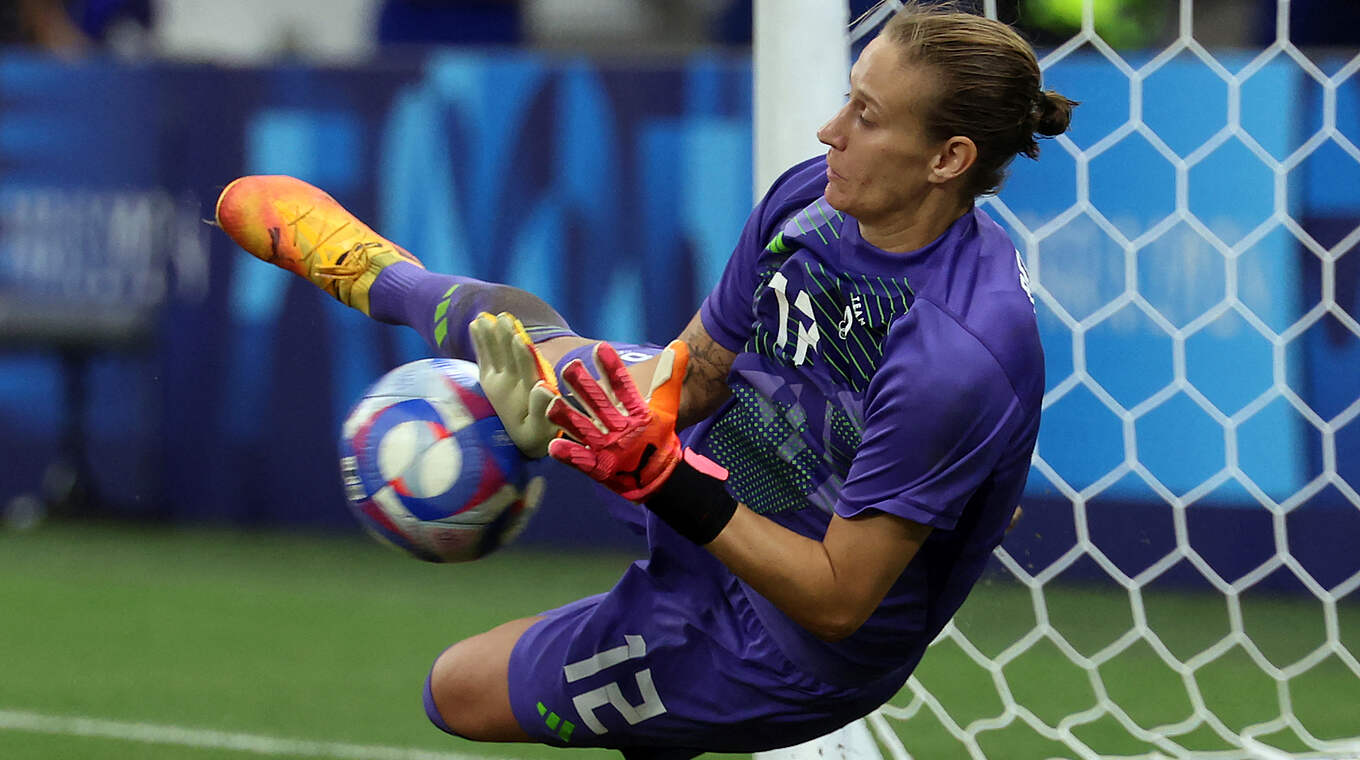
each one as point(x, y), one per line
point(629, 443)
point(510, 368)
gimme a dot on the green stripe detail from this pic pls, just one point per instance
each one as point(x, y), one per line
point(829, 225)
point(874, 302)
point(813, 224)
point(555, 723)
point(441, 327)
point(832, 318)
point(814, 227)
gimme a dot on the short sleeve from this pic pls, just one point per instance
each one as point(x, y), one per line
point(728, 313)
point(939, 414)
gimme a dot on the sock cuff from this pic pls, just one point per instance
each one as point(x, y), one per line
point(392, 285)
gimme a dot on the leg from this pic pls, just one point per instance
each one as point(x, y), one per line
point(440, 307)
point(470, 685)
point(300, 228)
point(669, 663)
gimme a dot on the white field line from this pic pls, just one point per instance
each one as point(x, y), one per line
point(152, 733)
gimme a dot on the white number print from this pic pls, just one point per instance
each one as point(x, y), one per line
point(1024, 275)
point(807, 334)
point(610, 694)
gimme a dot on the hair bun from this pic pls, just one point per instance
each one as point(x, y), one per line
point(1055, 113)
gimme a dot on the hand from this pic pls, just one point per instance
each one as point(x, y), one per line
point(627, 443)
point(510, 368)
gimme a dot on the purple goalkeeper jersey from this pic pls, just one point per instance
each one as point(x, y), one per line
point(908, 383)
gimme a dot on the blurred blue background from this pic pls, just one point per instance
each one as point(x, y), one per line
point(194, 383)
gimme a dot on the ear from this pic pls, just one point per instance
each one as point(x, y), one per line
point(955, 157)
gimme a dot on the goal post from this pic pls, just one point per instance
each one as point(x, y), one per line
point(801, 67)
point(1185, 581)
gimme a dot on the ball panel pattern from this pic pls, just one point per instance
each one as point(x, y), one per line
point(429, 468)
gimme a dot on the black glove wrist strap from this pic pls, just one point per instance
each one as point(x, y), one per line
point(696, 505)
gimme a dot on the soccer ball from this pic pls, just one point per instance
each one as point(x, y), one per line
point(428, 467)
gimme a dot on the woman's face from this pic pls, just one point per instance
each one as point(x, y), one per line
point(879, 160)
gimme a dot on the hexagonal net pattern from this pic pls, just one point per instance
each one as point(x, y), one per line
point(1195, 589)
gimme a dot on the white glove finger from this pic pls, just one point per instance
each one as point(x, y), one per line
point(481, 341)
point(507, 389)
point(503, 334)
point(533, 492)
point(520, 356)
point(496, 344)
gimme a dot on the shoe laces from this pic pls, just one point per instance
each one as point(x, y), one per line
point(351, 263)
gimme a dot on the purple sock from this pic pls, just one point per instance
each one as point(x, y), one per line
point(440, 306)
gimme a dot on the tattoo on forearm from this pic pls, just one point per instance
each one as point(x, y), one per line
point(706, 379)
point(705, 383)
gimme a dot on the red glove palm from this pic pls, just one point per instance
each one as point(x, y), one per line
point(632, 449)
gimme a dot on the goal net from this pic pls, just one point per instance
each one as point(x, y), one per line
point(1184, 581)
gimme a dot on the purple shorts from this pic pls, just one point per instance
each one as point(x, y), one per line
point(671, 662)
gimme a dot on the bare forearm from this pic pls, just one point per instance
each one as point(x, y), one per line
point(706, 379)
point(794, 572)
point(830, 587)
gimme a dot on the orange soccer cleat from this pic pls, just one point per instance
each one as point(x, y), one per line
point(298, 227)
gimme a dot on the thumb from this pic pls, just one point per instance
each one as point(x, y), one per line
point(668, 380)
point(541, 397)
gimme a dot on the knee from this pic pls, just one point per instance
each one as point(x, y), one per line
point(451, 695)
point(463, 698)
point(432, 708)
point(468, 691)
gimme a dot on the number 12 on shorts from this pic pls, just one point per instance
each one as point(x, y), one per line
point(610, 693)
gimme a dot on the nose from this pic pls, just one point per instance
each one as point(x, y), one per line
point(830, 134)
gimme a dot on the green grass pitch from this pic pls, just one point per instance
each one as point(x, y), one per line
point(327, 639)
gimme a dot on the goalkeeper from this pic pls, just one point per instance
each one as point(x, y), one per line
point(859, 396)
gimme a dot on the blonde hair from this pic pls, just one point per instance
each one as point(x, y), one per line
point(989, 87)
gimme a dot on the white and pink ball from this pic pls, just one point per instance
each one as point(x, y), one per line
point(428, 467)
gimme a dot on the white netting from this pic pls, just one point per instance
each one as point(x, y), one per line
point(1203, 288)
